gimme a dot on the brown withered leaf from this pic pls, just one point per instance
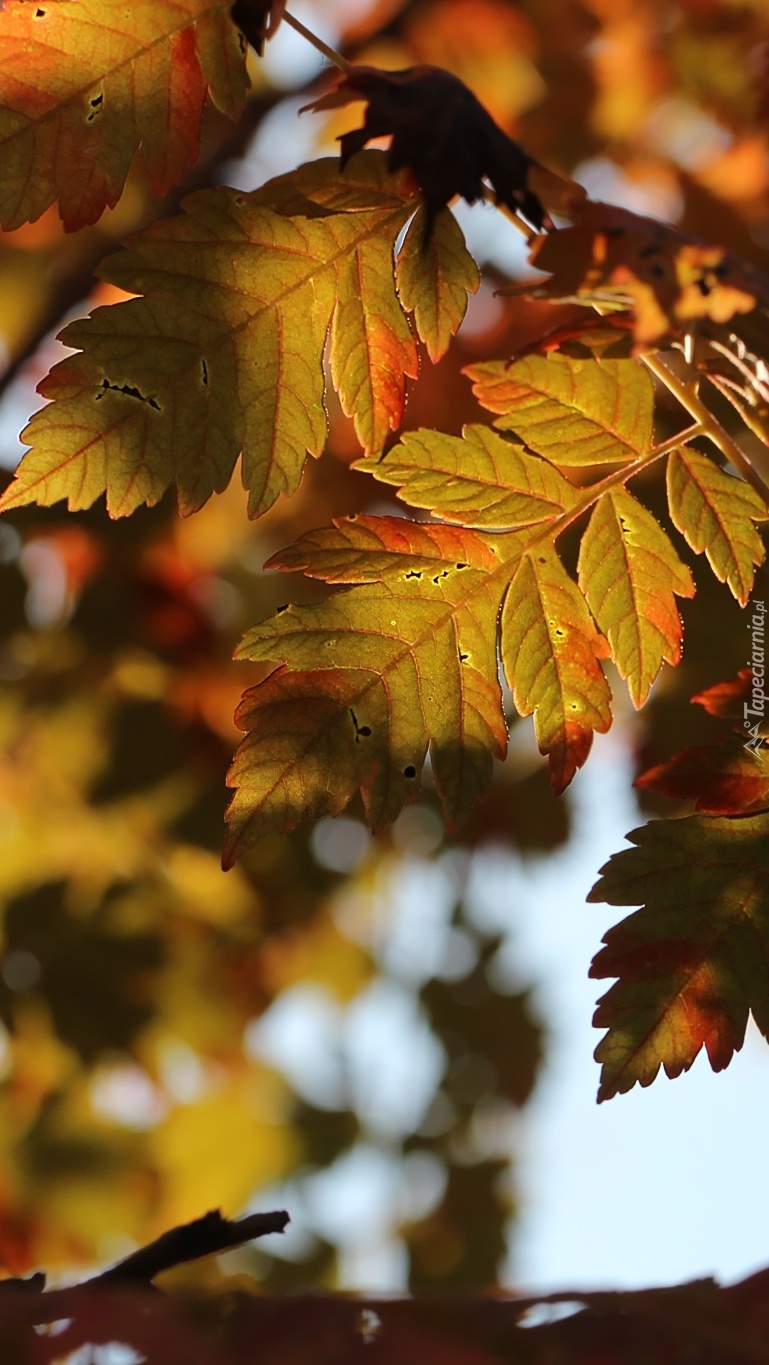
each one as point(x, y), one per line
point(447, 140)
point(613, 258)
point(257, 20)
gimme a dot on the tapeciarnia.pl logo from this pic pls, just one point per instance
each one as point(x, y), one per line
point(756, 707)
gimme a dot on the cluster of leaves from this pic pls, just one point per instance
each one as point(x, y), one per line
point(538, 541)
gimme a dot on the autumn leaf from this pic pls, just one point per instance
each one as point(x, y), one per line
point(715, 512)
point(367, 549)
point(224, 352)
point(629, 572)
point(725, 779)
point(572, 412)
point(478, 478)
point(727, 700)
point(614, 258)
point(695, 959)
point(85, 84)
point(370, 678)
point(550, 654)
point(433, 279)
point(445, 137)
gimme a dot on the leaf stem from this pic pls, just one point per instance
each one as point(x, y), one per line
point(528, 232)
point(711, 427)
point(316, 42)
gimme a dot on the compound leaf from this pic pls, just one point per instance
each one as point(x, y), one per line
point(85, 83)
point(715, 512)
point(224, 352)
point(629, 571)
point(550, 654)
point(572, 412)
point(478, 478)
point(695, 959)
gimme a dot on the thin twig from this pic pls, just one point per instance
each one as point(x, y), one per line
point(316, 42)
point(711, 427)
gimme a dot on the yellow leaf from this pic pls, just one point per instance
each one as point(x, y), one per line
point(224, 353)
point(550, 651)
point(573, 412)
point(629, 571)
point(716, 512)
point(370, 677)
point(478, 478)
point(434, 279)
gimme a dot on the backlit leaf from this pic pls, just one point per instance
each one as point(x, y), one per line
point(370, 678)
point(434, 279)
point(478, 478)
point(573, 412)
point(365, 549)
point(224, 352)
point(85, 83)
point(695, 959)
point(550, 654)
point(715, 512)
point(629, 571)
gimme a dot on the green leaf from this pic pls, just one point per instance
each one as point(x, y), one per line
point(550, 654)
point(572, 412)
point(478, 478)
point(629, 571)
point(715, 512)
point(695, 959)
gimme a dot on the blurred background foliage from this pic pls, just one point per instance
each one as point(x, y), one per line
point(329, 1026)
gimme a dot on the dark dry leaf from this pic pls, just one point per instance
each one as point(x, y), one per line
point(446, 139)
point(615, 259)
point(257, 20)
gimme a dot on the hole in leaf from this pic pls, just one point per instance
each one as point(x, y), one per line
point(283, 607)
point(409, 770)
point(204, 371)
point(461, 566)
point(129, 390)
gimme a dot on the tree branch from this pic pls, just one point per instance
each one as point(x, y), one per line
point(203, 1237)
